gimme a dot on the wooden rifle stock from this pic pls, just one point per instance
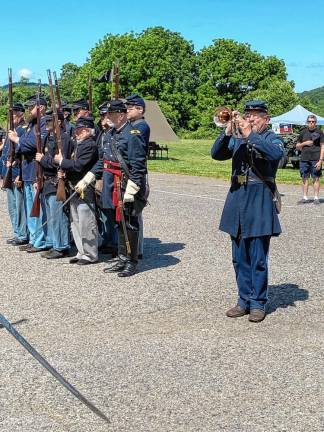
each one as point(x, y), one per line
point(7, 181)
point(90, 94)
point(57, 91)
point(115, 81)
point(35, 211)
point(60, 192)
point(122, 216)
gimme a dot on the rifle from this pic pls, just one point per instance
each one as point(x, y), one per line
point(35, 211)
point(122, 215)
point(115, 81)
point(60, 193)
point(57, 90)
point(7, 181)
point(90, 93)
point(119, 195)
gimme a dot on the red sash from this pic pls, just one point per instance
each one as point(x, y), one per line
point(115, 169)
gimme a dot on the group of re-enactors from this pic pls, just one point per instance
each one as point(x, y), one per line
point(117, 155)
point(104, 168)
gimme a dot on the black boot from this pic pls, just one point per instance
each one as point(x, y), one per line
point(117, 267)
point(129, 269)
point(122, 255)
point(131, 264)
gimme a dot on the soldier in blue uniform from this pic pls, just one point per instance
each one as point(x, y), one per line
point(26, 146)
point(108, 236)
point(58, 223)
point(249, 214)
point(122, 159)
point(83, 217)
point(81, 108)
point(15, 196)
point(67, 113)
point(135, 114)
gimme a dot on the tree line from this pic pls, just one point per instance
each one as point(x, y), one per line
point(162, 65)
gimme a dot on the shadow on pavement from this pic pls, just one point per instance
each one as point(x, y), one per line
point(156, 254)
point(285, 295)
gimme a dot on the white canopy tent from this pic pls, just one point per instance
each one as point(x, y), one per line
point(296, 116)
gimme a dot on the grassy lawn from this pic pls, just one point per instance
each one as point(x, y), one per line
point(192, 157)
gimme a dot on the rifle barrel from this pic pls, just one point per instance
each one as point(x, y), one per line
point(60, 193)
point(35, 211)
point(57, 90)
point(90, 94)
point(7, 182)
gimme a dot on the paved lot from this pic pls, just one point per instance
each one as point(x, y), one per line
point(155, 352)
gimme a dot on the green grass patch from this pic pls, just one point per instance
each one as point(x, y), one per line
point(192, 157)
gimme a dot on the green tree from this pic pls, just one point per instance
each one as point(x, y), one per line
point(21, 92)
point(3, 107)
point(157, 63)
point(279, 95)
point(167, 72)
point(230, 73)
point(69, 72)
point(313, 100)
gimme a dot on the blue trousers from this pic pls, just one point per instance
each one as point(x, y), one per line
point(17, 213)
point(58, 224)
point(37, 234)
point(107, 228)
point(250, 261)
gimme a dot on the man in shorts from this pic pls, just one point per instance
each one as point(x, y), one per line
point(311, 144)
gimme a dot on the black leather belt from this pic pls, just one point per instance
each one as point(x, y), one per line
point(243, 179)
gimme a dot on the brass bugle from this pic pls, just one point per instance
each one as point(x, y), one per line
point(222, 116)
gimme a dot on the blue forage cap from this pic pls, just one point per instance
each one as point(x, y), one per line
point(18, 107)
point(116, 106)
point(49, 115)
point(85, 122)
point(257, 105)
point(33, 100)
point(103, 108)
point(81, 104)
point(66, 107)
point(135, 99)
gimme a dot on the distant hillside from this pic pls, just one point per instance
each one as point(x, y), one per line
point(316, 96)
point(24, 84)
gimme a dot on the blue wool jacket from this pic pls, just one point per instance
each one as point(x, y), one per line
point(27, 147)
point(20, 129)
point(249, 209)
point(128, 140)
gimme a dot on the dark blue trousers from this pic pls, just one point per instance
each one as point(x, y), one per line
point(250, 261)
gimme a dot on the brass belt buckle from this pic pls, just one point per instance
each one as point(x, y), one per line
point(241, 179)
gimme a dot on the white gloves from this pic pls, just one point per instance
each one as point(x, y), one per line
point(84, 182)
point(130, 192)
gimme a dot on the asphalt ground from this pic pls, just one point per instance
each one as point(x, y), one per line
point(156, 352)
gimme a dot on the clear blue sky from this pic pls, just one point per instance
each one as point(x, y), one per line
point(39, 35)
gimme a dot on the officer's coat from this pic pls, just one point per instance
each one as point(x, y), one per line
point(249, 209)
point(131, 146)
